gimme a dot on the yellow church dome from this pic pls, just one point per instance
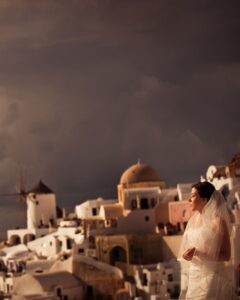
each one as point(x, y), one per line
point(139, 173)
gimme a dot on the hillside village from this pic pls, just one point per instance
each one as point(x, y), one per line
point(124, 248)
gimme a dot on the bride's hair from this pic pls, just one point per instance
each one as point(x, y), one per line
point(205, 189)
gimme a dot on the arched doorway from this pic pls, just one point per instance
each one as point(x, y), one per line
point(15, 240)
point(28, 238)
point(117, 254)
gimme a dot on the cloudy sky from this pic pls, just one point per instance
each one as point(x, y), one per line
point(89, 87)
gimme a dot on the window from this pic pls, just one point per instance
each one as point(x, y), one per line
point(80, 250)
point(144, 279)
point(59, 292)
point(170, 277)
point(147, 218)
point(144, 203)
point(89, 290)
point(94, 211)
point(51, 221)
point(69, 244)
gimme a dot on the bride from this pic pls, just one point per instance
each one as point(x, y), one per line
point(206, 245)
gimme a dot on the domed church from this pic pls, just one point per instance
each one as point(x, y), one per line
point(139, 187)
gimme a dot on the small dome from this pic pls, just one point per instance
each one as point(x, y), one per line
point(139, 173)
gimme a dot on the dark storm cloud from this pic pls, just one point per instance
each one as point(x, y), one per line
point(11, 114)
point(3, 142)
point(90, 87)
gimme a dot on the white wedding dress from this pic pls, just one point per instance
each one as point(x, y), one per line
point(207, 280)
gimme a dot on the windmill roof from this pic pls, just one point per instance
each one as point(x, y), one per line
point(41, 188)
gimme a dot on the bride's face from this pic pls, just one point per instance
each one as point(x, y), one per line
point(196, 202)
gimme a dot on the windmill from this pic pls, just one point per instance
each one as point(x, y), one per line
point(25, 195)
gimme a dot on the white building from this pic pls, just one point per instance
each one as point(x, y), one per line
point(156, 281)
point(19, 251)
point(90, 209)
point(57, 285)
point(54, 244)
point(225, 177)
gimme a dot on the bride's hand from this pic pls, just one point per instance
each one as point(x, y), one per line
point(188, 254)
